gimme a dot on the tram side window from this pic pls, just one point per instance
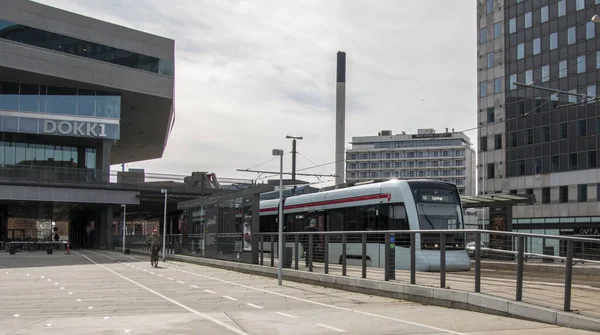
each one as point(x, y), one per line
point(268, 224)
point(398, 221)
point(335, 222)
point(363, 218)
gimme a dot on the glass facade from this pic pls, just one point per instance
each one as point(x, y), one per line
point(59, 100)
point(78, 47)
point(559, 50)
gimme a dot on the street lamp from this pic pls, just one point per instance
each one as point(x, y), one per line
point(164, 191)
point(294, 138)
point(124, 224)
point(596, 18)
point(279, 152)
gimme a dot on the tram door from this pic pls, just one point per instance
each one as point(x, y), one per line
point(318, 240)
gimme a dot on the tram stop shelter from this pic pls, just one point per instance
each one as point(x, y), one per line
point(500, 214)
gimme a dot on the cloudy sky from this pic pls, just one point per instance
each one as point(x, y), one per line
point(248, 73)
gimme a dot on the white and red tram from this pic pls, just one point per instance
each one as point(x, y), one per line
point(401, 205)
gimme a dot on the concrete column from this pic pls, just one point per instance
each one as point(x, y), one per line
point(103, 229)
point(103, 153)
point(255, 226)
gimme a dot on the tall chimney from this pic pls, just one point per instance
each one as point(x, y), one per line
point(340, 118)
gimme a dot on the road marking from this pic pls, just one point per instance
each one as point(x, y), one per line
point(78, 300)
point(49, 279)
point(202, 315)
point(42, 277)
point(70, 293)
point(16, 315)
point(55, 283)
point(160, 275)
point(169, 278)
point(106, 317)
point(155, 273)
point(322, 304)
point(62, 288)
point(194, 286)
point(27, 274)
point(230, 298)
point(90, 307)
point(286, 315)
point(331, 328)
point(209, 291)
point(253, 305)
point(180, 282)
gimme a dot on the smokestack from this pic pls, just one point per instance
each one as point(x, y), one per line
point(340, 118)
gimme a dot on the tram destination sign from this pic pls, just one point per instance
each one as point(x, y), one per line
point(436, 198)
point(75, 128)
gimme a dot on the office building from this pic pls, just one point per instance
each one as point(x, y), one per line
point(446, 156)
point(533, 140)
point(77, 95)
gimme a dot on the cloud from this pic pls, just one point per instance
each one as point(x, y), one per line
point(250, 72)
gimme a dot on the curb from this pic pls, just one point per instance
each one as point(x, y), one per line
point(476, 302)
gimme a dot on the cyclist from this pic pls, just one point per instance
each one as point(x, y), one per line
point(155, 242)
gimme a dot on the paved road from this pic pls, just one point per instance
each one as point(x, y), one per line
point(91, 292)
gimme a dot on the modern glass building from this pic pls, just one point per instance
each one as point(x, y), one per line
point(77, 95)
point(446, 157)
point(541, 141)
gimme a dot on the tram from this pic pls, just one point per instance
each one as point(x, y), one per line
point(400, 205)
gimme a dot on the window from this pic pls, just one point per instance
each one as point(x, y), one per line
point(512, 25)
point(521, 168)
point(544, 14)
point(537, 46)
point(573, 161)
point(483, 35)
point(546, 133)
point(482, 89)
point(483, 143)
point(529, 136)
point(520, 51)
point(490, 115)
point(537, 166)
point(528, 76)
point(527, 20)
point(582, 192)
point(489, 8)
point(60, 43)
point(497, 30)
point(581, 64)
point(498, 141)
point(562, 69)
point(579, 5)
point(554, 163)
point(545, 73)
point(591, 91)
point(498, 85)
point(564, 194)
point(562, 8)
point(564, 131)
point(513, 79)
point(546, 195)
point(490, 60)
point(571, 35)
point(553, 41)
point(597, 59)
point(582, 127)
point(491, 171)
point(592, 160)
point(590, 30)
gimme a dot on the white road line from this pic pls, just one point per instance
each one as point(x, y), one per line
point(331, 328)
point(323, 304)
point(160, 275)
point(194, 286)
point(318, 303)
point(180, 282)
point(202, 315)
point(169, 278)
point(253, 305)
point(230, 298)
point(209, 291)
point(286, 315)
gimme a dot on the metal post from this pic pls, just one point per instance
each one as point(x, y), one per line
point(310, 253)
point(281, 242)
point(272, 237)
point(386, 257)
point(520, 253)
point(164, 226)
point(477, 262)
point(344, 238)
point(294, 165)
point(326, 254)
point(568, 276)
point(442, 260)
point(413, 259)
point(124, 225)
point(364, 255)
point(261, 240)
point(296, 251)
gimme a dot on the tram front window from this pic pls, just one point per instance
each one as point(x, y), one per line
point(439, 216)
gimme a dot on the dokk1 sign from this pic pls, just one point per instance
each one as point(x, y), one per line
point(75, 128)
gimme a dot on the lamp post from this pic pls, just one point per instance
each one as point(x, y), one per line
point(294, 138)
point(596, 18)
point(279, 152)
point(124, 224)
point(164, 191)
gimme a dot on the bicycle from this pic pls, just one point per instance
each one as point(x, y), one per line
point(154, 257)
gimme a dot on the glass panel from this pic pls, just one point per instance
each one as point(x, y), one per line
point(61, 100)
point(53, 41)
point(580, 4)
point(108, 106)
point(544, 14)
point(520, 51)
point(497, 30)
point(590, 30)
point(490, 60)
point(580, 64)
point(512, 25)
point(527, 20)
point(562, 8)
point(562, 69)
point(9, 96)
point(483, 35)
point(86, 103)
point(553, 41)
point(571, 35)
point(545, 73)
point(498, 85)
point(483, 89)
point(29, 98)
point(528, 76)
point(513, 79)
point(537, 46)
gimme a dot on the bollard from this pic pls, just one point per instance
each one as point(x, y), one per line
point(68, 252)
